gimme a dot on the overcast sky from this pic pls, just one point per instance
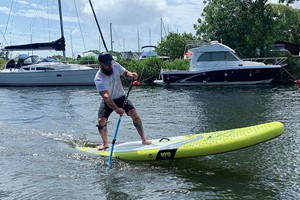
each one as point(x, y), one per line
point(26, 21)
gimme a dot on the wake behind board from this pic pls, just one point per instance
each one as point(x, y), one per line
point(193, 145)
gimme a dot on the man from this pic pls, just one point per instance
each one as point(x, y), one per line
point(109, 85)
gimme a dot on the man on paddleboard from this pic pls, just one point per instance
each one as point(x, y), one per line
point(110, 88)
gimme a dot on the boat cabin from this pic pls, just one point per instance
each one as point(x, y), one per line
point(21, 60)
point(27, 63)
point(213, 55)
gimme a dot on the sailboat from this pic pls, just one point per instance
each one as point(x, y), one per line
point(27, 70)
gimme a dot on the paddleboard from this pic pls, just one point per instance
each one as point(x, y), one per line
point(193, 145)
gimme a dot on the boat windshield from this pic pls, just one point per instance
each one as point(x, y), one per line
point(217, 56)
point(37, 68)
point(24, 59)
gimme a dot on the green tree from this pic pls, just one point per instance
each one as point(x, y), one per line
point(244, 25)
point(263, 29)
point(287, 1)
point(57, 57)
point(225, 21)
point(287, 23)
point(173, 45)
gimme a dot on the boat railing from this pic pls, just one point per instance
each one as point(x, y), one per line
point(194, 43)
point(269, 60)
point(197, 43)
point(170, 70)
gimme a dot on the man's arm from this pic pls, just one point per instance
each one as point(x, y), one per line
point(108, 100)
point(130, 74)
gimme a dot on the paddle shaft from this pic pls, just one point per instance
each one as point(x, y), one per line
point(117, 129)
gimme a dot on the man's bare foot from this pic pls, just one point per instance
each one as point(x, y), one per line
point(102, 147)
point(147, 142)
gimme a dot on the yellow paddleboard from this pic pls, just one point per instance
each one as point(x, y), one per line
point(193, 145)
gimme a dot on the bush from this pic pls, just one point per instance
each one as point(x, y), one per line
point(294, 66)
point(149, 69)
point(2, 63)
point(177, 64)
point(87, 60)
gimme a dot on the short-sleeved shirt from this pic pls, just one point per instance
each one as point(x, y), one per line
point(111, 83)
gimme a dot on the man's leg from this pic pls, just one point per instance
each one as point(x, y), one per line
point(102, 129)
point(138, 125)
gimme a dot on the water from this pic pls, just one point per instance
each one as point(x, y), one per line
point(40, 128)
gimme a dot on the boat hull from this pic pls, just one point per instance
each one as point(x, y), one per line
point(84, 77)
point(221, 77)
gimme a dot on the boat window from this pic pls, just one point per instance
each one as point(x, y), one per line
point(44, 68)
point(204, 57)
point(35, 59)
point(27, 61)
point(217, 56)
point(230, 57)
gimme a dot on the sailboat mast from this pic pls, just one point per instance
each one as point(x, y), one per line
point(138, 37)
point(111, 40)
point(161, 27)
point(61, 29)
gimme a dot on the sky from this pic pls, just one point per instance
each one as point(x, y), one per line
point(134, 23)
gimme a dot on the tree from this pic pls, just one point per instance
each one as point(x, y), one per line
point(57, 57)
point(244, 25)
point(287, 23)
point(173, 45)
point(225, 21)
point(263, 30)
point(287, 1)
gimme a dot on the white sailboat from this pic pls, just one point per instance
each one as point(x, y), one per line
point(30, 71)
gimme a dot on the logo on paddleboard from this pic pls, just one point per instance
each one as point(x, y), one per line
point(166, 154)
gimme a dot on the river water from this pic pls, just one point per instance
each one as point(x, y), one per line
point(40, 128)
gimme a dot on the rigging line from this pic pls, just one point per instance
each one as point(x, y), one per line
point(48, 24)
point(4, 37)
point(11, 5)
point(117, 37)
point(164, 29)
point(51, 18)
point(47, 32)
point(30, 26)
point(98, 26)
point(43, 22)
point(80, 26)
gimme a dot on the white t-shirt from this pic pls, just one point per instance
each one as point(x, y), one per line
point(111, 83)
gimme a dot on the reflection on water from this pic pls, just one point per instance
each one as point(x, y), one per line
point(221, 108)
point(40, 128)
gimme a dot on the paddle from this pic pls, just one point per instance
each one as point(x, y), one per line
point(116, 131)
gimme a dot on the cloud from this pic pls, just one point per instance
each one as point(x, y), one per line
point(127, 17)
point(4, 10)
point(123, 12)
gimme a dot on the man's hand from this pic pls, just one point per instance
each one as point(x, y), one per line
point(120, 111)
point(133, 75)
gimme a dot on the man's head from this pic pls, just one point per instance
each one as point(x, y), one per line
point(106, 61)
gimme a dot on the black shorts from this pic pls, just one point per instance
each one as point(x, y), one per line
point(105, 110)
